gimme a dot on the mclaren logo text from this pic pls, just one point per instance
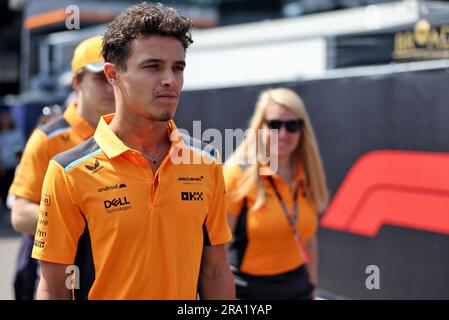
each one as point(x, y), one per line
point(198, 180)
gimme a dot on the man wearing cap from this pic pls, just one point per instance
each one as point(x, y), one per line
point(95, 98)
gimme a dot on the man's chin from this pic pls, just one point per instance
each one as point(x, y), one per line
point(163, 118)
point(108, 108)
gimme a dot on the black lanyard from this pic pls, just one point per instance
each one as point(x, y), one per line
point(291, 218)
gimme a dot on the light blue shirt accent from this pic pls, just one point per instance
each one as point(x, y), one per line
point(201, 151)
point(55, 132)
point(74, 163)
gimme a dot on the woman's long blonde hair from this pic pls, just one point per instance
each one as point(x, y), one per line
point(307, 150)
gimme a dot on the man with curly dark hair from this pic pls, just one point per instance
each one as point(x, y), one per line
point(136, 222)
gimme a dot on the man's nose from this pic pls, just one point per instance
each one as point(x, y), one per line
point(168, 78)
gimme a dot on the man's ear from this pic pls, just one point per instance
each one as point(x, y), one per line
point(111, 73)
point(75, 83)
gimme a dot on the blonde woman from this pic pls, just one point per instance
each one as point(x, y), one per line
point(274, 216)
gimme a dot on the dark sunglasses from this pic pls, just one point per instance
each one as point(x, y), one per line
point(291, 125)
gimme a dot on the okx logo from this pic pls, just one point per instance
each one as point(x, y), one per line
point(95, 168)
point(191, 196)
point(116, 205)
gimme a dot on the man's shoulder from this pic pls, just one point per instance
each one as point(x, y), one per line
point(205, 149)
point(82, 152)
point(55, 127)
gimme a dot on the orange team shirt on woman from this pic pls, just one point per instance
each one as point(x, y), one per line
point(270, 246)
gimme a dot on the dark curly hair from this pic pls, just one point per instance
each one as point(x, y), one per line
point(139, 20)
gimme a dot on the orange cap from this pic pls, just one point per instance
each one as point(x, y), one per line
point(88, 55)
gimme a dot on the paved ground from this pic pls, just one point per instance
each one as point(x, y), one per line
point(9, 246)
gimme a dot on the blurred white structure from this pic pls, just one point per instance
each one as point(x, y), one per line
point(272, 51)
point(282, 50)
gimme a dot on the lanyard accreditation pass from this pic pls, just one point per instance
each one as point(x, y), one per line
point(291, 218)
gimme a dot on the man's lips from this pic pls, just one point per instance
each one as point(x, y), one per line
point(168, 95)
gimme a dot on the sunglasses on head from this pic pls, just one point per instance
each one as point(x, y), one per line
point(291, 125)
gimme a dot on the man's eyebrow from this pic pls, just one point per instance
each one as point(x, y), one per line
point(181, 62)
point(156, 60)
point(151, 60)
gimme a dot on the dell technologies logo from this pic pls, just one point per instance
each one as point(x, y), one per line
point(116, 205)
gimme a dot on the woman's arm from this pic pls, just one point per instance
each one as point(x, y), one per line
point(312, 266)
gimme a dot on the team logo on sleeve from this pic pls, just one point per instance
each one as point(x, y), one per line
point(39, 244)
point(95, 168)
point(65, 136)
point(45, 199)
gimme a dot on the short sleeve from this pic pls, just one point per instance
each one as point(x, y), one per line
point(31, 171)
point(232, 174)
point(60, 222)
point(216, 223)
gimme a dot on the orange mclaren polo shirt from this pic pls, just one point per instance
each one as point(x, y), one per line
point(133, 234)
point(58, 135)
point(264, 243)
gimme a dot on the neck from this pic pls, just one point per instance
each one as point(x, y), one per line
point(89, 115)
point(140, 133)
point(287, 170)
point(284, 162)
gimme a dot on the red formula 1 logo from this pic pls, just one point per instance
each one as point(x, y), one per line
point(402, 188)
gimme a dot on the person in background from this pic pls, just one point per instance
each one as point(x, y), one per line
point(274, 216)
point(11, 144)
point(95, 98)
point(48, 114)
